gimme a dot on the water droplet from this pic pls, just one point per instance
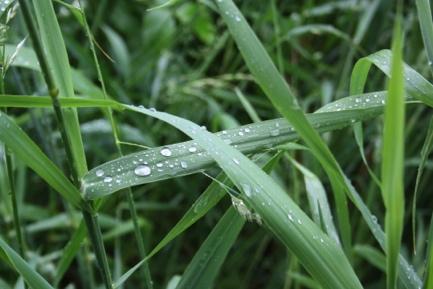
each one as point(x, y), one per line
point(166, 152)
point(236, 161)
point(247, 130)
point(290, 217)
point(247, 190)
point(237, 18)
point(183, 164)
point(108, 179)
point(192, 149)
point(99, 173)
point(241, 133)
point(159, 165)
point(142, 171)
point(152, 109)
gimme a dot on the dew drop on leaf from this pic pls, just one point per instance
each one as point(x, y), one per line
point(142, 171)
point(166, 152)
point(99, 173)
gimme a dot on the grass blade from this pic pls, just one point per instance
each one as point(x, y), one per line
point(393, 161)
point(318, 201)
point(25, 149)
point(187, 157)
point(204, 267)
point(58, 63)
point(426, 23)
point(425, 152)
point(32, 278)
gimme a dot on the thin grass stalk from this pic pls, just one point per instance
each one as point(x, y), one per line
point(131, 204)
point(90, 217)
point(10, 174)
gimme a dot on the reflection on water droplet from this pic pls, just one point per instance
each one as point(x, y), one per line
point(236, 161)
point(192, 149)
point(183, 164)
point(247, 189)
point(108, 179)
point(142, 171)
point(99, 173)
point(166, 152)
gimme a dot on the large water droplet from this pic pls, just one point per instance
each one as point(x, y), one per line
point(142, 171)
point(192, 149)
point(99, 173)
point(166, 152)
point(108, 179)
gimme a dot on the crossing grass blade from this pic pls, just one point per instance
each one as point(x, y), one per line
point(204, 267)
point(55, 53)
point(28, 152)
point(319, 254)
point(393, 160)
point(187, 157)
point(32, 278)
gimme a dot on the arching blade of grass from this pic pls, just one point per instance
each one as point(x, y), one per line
point(187, 157)
point(32, 278)
point(58, 63)
point(204, 267)
point(28, 152)
point(372, 255)
point(415, 84)
point(393, 160)
point(319, 254)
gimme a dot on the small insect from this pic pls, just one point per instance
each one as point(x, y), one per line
point(245, 212)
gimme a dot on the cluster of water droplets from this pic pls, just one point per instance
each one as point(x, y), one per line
point(356, 102)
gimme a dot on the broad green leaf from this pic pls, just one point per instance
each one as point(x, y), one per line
point(204, 267)
point(24, 269)
point(29, 153)
point(319, 254)
point(186, 158)
point(393, 160)
point(55, 52)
